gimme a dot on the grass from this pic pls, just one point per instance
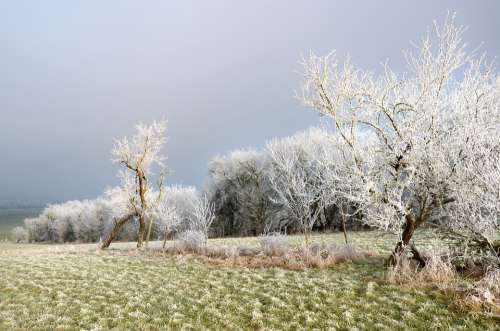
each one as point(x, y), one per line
point(75, 287)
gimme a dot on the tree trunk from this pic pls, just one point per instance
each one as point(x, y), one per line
point(142, 194)
point(142, 229)
point(342, 214)
point(148, 235)
point(165, 237)
point(411, 225)
point(115, 231)
point(344, 229)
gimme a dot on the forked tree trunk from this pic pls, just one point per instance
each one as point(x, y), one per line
point(411, 224)
point(116, 230)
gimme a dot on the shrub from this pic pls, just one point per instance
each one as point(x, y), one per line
point(20, 234)
point(438, 271)
point(246, 250)
point(274, 244)
point(191, 241)
point(487, 289)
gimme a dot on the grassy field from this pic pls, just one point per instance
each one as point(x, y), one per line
point(76, 287)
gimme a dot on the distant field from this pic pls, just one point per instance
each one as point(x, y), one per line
point(76, 287)
point(10, 218)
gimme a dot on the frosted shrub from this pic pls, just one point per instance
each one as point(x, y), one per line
point(488, 288)
point(346, 252)
point(20, 234)
point(203, 216)
point(182, 199)
point(191, 241)
point(438, 271)
point(274, 244)
point(247, 250)
point(324, 255)
point(34, 228)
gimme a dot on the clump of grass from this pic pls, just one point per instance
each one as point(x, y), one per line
point(484, 294)
point(274, 244)
point(316, 256)
point(273, 250)
point(190, 241)
point(321, 255)
point(438, 271)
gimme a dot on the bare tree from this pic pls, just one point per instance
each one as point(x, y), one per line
point(293, 186)
point(204, 215)
point(168, 219)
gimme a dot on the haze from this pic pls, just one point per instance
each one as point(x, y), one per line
point(76, 75)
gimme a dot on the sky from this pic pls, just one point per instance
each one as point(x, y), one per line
point(75, 75)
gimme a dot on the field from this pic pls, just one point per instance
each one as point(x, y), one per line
point(76, 287)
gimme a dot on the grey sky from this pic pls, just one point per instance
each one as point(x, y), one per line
point(75, 75)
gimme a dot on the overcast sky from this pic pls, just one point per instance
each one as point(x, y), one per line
point(76, 74)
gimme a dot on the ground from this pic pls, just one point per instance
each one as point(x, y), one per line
point(72, 287)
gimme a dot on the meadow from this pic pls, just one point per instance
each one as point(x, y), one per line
point(77, 287)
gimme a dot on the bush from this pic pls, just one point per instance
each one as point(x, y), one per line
point(191, 241)
point(20, 234)
point(247, 250)
point(438, 271)
point(487, 289)
point(274, 244)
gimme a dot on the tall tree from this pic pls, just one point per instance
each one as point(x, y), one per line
point(421, 145)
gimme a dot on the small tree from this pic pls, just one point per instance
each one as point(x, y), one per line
point(203, 216)
point(138, 157)
point(168, 218)
point(20, 234)
point(295, 189)
point(419, 144)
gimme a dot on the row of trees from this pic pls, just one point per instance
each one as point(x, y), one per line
point(278, 189)
point(289, 187)
point(93, 220)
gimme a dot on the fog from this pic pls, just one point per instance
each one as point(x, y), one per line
point(76, 75)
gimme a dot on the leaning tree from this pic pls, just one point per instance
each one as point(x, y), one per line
point(423, 145)
point(138, 200)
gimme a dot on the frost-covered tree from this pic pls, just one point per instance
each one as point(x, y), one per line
point(296, 178)
point(168, 218)
point(422, 145)
point(239, 188)
point(83, 221)
point(204, 215)
point(138, 156)
point(183, 199)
